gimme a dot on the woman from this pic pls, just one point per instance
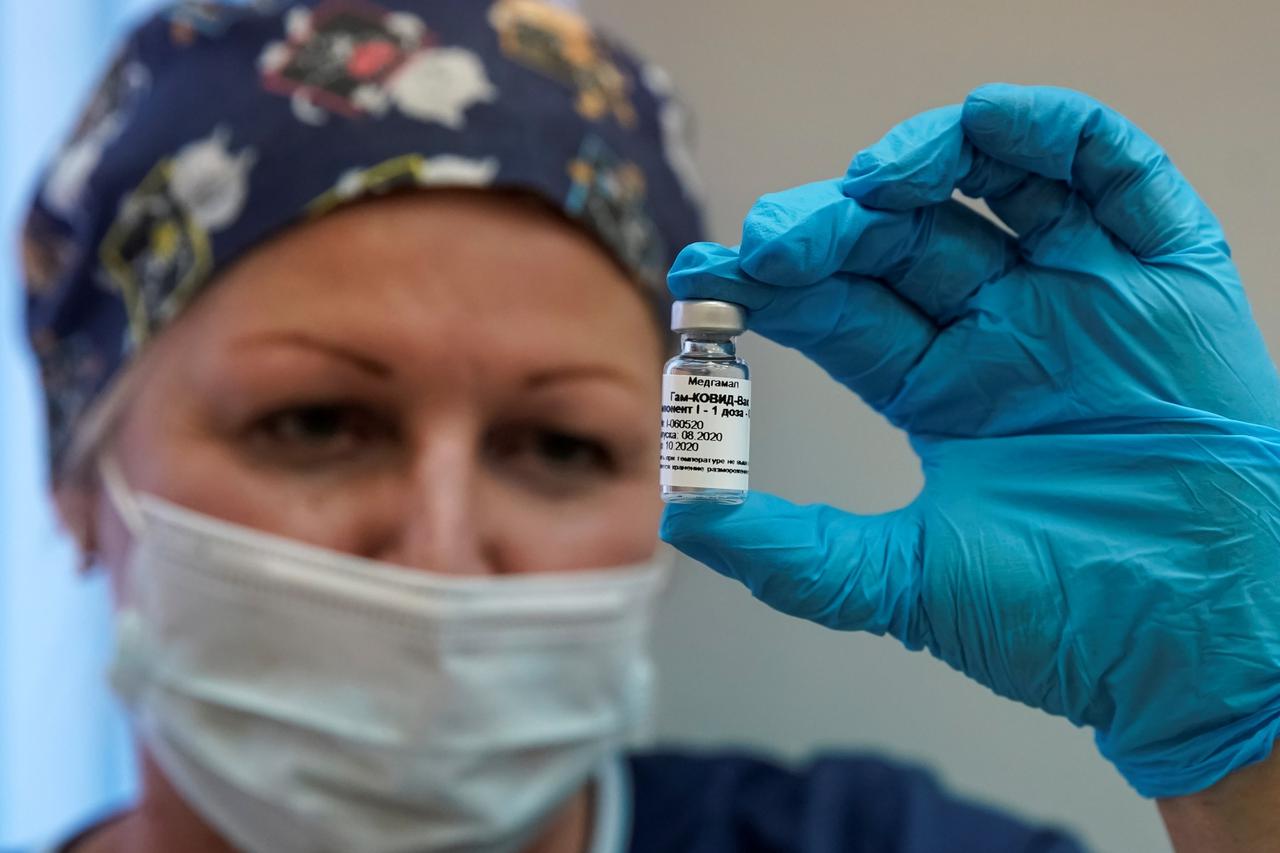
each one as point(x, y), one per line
point(347, 320)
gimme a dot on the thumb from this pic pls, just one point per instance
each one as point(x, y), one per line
point(814, 562)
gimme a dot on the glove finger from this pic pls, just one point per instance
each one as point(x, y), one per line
point(936, 257)
point(1135, 191)
point(813, 562)
point(855, 328)
point(1057, 227)
point(922, 161)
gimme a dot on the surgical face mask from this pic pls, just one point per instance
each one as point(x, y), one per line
point(304, 701)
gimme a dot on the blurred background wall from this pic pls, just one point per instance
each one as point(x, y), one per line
point(63, 753)
point(784, 93)
point(787, 92)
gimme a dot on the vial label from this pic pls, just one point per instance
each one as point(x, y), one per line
point(706, 431)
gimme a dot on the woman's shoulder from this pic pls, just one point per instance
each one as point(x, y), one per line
point(844, 802)
point(96, 836)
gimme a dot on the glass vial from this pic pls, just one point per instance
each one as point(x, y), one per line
point(706, 406)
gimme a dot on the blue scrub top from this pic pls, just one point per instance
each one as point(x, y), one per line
point(717, 803)
point(734, 803)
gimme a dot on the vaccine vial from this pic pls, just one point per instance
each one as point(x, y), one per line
point(706, 406)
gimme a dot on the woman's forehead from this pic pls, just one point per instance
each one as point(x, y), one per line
point(432, 275)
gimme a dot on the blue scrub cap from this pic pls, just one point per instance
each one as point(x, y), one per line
point(218, 124)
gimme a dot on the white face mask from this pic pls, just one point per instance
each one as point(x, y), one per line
point(304, 701)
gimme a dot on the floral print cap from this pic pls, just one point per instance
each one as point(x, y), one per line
point(220, 123)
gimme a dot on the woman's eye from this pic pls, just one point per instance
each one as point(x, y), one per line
point(320, 431)
point(551, 459)
point(571, 451)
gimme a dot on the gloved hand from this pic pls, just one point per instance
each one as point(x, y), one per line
point(1093, 406)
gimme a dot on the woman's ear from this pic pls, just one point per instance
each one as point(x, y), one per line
point(76, 503)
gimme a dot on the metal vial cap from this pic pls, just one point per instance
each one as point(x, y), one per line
point(708, 315)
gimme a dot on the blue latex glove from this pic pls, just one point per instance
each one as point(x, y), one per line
point(1093, 407)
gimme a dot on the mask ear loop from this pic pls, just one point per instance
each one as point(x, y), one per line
point(128, 672)
point(120, 495)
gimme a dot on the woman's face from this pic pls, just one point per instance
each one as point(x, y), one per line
point(453, 382)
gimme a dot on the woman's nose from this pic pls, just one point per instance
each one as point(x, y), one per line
point(436, 527)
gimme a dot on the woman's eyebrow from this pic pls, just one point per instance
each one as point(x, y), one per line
point(365, 363)
point(581, 372)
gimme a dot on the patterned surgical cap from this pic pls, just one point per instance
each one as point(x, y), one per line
point(218, 124)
